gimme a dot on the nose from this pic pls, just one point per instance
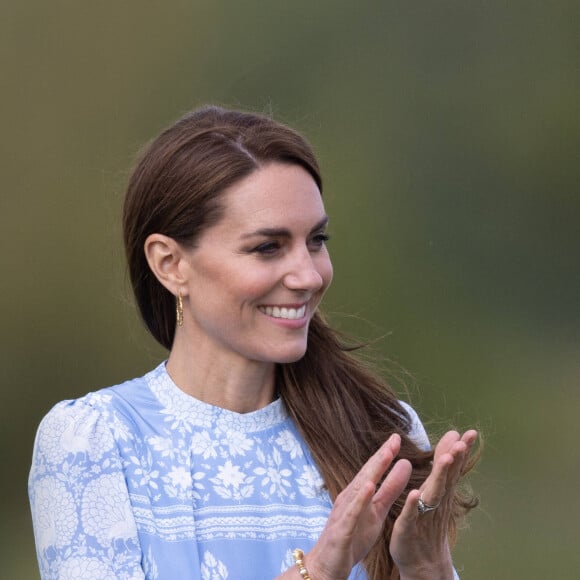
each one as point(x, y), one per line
point(305, 272)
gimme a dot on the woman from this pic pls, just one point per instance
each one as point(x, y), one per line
point(261, 448)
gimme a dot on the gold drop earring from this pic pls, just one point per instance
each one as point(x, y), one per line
point(179, 309)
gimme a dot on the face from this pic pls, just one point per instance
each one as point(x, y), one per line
point(255, 278)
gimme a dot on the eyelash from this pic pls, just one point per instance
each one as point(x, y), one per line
point(321, 239)
point(270, 248)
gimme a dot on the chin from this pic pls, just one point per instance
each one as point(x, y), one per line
point(290, 355)
point(289, 359)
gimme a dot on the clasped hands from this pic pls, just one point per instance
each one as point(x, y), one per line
point(419, 544)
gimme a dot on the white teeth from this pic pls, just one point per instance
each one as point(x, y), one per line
point(288, 313)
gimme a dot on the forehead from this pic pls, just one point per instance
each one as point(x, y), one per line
point(277, 194)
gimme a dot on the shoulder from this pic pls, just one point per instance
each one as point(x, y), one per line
point(91, 422)
point(72, 427)
point(417, 431)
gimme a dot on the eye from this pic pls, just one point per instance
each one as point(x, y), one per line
point(319, 240)
point(267, 248)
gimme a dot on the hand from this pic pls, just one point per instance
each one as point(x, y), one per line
point(419, 544)
point(358, 514)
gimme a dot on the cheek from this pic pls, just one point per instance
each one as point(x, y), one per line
point(249, 284)
point(258, 285)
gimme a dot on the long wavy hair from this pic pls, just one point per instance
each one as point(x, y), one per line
point(344, 410)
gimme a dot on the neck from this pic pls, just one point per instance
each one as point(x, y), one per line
point(224, 380)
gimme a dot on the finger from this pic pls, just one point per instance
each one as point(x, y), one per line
point(451, 454)
point(458, 453)
point(352, 501)
point(393, 486)
point(410, 512)
point(360, 490)
point(461, 452)
point(374, 469)
point(446, 443)
point(434, 488)
point(450, 438)
point(470, 437)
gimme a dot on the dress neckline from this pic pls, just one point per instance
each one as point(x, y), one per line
point(189, 411)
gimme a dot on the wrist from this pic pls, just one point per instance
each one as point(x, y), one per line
point(317, 568)
point(299, 560)
point(430, 571)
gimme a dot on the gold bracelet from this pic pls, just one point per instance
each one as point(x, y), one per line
point(299, 559)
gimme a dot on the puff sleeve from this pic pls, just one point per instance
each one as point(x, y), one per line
point(81, 511)
point(417, 432)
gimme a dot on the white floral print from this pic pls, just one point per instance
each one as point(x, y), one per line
point(179, 477)
point(236, 443)
point(232, 483)
point(64, 436)
point(287, 562)
point(164, 445)
point(230, 474)
point(310, 482)
point(58, 520)
point(203, 444)
point(106, 510)
point(87, 569)
point(289, 443)
point(213, 569)
point(275, 477)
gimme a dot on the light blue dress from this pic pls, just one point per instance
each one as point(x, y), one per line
point(142, 480)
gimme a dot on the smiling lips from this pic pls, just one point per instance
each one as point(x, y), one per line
point(284, 312)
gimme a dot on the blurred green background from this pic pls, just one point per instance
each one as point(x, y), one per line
point(449, 135)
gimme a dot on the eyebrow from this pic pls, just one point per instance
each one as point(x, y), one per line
point(283, 232)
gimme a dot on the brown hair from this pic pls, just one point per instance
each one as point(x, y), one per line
point(344, 410)
point(175, 190)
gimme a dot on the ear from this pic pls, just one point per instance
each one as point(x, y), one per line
point(166, 258)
